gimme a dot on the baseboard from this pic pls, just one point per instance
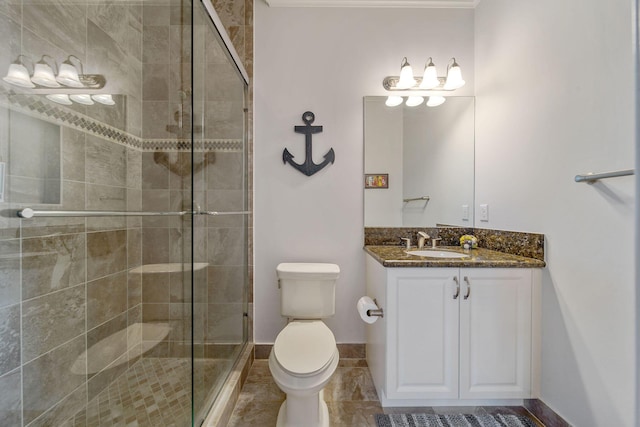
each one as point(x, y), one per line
point(546, 415)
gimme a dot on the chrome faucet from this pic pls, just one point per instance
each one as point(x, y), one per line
point(408, 241)
point(422, 236)
point(434, 242)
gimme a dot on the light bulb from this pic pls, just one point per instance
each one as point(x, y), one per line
point(43, 75)
point(60, 98)
point(430, 77)
point(414, 101)
point(18, 75)
point(103, 98)
point(406, 75)
point(68, 75)
point(393, 101)
point(82, 99)
point(434, 101)
point(454, 77)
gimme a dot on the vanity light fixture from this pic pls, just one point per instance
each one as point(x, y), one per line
point(434, 101)
point(430, 76)
point(59, 98)
point(454, 76)
point(393, 101)
point(429, 81)
point(68, 73)
point(406, 79)
point(18, 74)
point(43, 73)
point(83, 99)
point(103, 98)
point(414, 101)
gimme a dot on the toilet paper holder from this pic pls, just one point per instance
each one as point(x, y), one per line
point(377, 312)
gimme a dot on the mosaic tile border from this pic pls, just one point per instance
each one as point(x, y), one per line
point(35, 106)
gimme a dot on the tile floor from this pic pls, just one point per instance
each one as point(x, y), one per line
point(350, 396)
point(153, 392)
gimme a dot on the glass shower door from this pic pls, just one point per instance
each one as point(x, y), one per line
point(219, 135)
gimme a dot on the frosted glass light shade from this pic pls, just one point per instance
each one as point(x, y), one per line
point(393, 101)
point(60, 98)
point(82, 99)
point(454, 77)
point(430, 77)
point(414, 101)
point(434, 101)
point(68, 75)
point(18, 75)
point(43, 75)
point(103, 98)
point(406, 76)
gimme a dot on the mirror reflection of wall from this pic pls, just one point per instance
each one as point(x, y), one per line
point(30, 149)
point(427, 151)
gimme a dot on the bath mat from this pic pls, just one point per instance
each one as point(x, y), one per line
point(452, 420)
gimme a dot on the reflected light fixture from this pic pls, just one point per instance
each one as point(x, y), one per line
point(83, 99)
point(414, 101)
point(60, 98)
point(454, 76)
point(430, 76)
point(43, 73)
point(68, 73)
point(434, 101)
point(406, 75)
point(18, 74)
point(393, 101)
point(103, 98)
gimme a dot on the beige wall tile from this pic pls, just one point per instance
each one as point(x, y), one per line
point(52, 319)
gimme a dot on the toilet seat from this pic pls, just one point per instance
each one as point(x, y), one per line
point(304, 347)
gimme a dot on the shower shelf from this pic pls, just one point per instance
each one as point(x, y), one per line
point(171, 267)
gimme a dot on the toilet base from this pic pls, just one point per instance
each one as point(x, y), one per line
point(323, 418)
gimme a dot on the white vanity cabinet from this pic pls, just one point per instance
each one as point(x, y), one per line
point(453, 335)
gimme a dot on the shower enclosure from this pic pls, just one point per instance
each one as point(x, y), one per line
point(125, 226)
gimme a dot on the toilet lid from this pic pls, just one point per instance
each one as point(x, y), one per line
point(304, 347)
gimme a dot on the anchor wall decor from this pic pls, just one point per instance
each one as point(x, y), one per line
point(308, 167)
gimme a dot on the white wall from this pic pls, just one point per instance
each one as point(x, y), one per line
point(325, 60)
point(554, 87)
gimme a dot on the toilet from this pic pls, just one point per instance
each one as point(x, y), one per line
point(305, 355)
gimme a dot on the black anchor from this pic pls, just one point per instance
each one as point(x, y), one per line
point(308, 167)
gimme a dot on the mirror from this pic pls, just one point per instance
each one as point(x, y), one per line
point(31, 150)
point(425, 156)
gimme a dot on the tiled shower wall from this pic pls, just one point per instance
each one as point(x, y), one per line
point(64, 282)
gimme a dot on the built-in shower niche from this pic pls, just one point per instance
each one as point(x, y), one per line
point(30, 151)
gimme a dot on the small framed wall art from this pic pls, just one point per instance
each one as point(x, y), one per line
point(376, 180)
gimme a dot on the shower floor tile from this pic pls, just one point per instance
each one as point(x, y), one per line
point(153, 392)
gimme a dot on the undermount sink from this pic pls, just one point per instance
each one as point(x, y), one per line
point(437, 254)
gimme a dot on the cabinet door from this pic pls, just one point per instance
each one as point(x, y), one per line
point(495, 333)
point(422, 334)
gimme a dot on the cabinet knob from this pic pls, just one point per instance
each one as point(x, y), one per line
point(466, 280)
point(457, 294)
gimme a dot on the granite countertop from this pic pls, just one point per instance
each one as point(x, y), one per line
point(395, 256)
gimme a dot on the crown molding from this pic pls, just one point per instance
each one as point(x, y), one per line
point(434, 4)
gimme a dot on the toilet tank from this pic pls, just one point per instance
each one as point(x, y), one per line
point(307, 290)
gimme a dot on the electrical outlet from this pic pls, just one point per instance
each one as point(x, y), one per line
point(465, 212)
point(484, 212)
